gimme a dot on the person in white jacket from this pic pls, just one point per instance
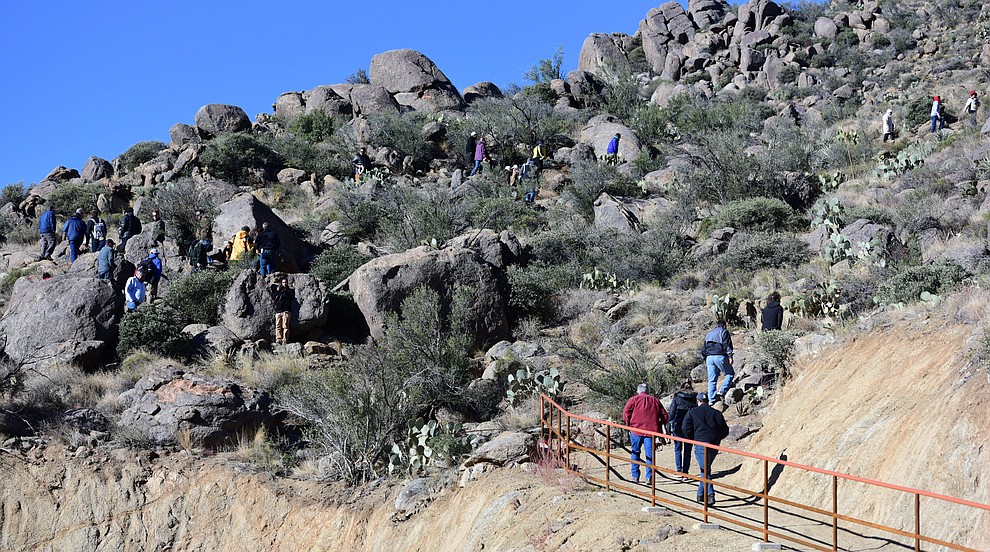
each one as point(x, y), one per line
point(937, 114)
point(971, 107)
point(888, 125)
point(135, 291)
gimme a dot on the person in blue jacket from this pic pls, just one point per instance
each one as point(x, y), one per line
point(612, 153)
point(46, 227)
point(75, 233)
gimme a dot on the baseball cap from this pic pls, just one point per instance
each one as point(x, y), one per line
point(703, 397)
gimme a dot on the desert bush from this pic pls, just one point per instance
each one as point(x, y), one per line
point(196, 298)
point(403, 133)
point(13, 193)
point(775, 351)
point(155, 328)
point(69, 196)
point(139, 153)
point(515, 120)
point(178, 202)
point(317, 126)
point(590, 180)
point(907, 286)
point(533, 288)
point(298, 152)
point(872, 213)
point(335, 264)
point(410, 217)
point(15, 229)
point(756, 213)
point(241, 158)
point(621, 96)
point(761, 251)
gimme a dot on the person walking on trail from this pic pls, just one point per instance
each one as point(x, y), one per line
point(362, 164)
point(971, 107)
point(937, 114)
point(643, 411)
point(130, 226)
point(135, 291)
point(75, 233)
point(96, 232)
point(46, 228)
point(199, 254)
point(282, 298)
point(469, 147)
point(707, 425)
point(612, 152)
point(480, 155)
point(772, 317)
point(888, 125)
point(718, 359)
point(267, 245)
point(105, 262)
point(153, 269)
point(682, 403)
point(241, 245)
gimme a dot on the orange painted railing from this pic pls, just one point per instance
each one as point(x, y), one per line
point(556, 438)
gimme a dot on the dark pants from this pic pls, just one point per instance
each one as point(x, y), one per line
point(74, 249)
point(47, 245)
point(706, 471)
point(682, 455)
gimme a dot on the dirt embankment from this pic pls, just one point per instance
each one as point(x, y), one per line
point(896, 405)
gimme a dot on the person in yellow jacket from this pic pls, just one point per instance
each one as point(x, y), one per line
point(241, 245)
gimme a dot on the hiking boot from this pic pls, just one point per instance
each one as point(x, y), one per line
point(711, 501)
point(718, 398)
point(701, 499)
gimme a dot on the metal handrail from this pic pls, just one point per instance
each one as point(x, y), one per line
point(564, 445)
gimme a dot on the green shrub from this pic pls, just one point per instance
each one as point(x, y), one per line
point(756, 213)
point(403, 133)
point(241, 158)
point(13, 193)
point(412, 217)
point(873, 213)
point(196, 298)
point(69, 196)
point(775, 351)
point(315, 127)
point(333, 265)
point(139, 153)
point(533, 288)
point(590, 180)
point(299, 153)
point(789, 74)
point(512, 120)
point(761, 251)
point(178, 201)
point(906, 287)
point(156, 328)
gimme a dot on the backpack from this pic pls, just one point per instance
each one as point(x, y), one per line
point(99, 229)
point(135, 225)
point(146, 266)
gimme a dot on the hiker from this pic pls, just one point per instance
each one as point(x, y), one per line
point(152, 267)
point(888, 125)
point(643, 411)
point(362, 164)
point(105, 262)
point(539, 154)
point(480, 155)
point(46, 227)
point(267, 245)
point(198, 258)
point(971, 107)
point(282, 298)
point(241, 245)
point(75, 233)
point(469, 147)
point(683, 401)
point(96, 232)
point(135, 291)
point(612, 153)
point(157, 227)
point(130, 226)
point(707, 425)
point(773, 314)
point(718, 359)
point(937, 114)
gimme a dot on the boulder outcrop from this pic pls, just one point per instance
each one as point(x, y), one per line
point(248, 312)
point(414, 80)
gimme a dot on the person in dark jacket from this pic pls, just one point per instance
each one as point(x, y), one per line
point(96, 232)
point(128, 227)
point(707, 425)
point(718, 359)
point(105, 262)
point(361, 163)
point(75, 233)
point(773, 313)
point(643, 411)
point(282, 298)
point(46, 227)
point(199, 254)
point(267, 245)
point(472, 143)
point(683, 401)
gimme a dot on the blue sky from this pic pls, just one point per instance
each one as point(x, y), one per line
point(93, 78)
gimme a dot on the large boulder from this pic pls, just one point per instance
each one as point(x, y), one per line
point(289, 105)
point(825, 28)
point(707, 12)
point(509, 447)
point(481, 90)
point(600, 131)
point(380, 285)
point(97, 168)
point(247, 210)
point(367, 99)
point(603, 57)
point(63, 319)
point(169, 404)
point(610, 213)
point(327, 100)
point(664, 31)
point(247, 310)
point(414, 80)
point(219, 118)
point(183, 134)
point(500, 250)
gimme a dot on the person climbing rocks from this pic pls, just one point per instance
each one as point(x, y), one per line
point(612, 152)
point(267, 245)
point(96, 232)
point(707, 425)
point(105, 261)
point(153, 269)
point(282, 299)
point(718, 359)
point(75, 233)
point(937, 114)
point(469, 147)
point(361, 163)
point(971, 107)
point(480, 155)
point(241, 246)
point(683, 401)
point(772, 317)
point(135, 291)
point(199, 254)
point(130, 226)
point(157, 228)
point(46, 228)
point(888, 125)
point(643, 411)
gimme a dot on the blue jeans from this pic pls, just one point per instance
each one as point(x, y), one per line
point(646, 443)
point(717, 364)
point(940, 122)
point(477, 167)
point(74, 249)
point(266, 262)
point(682, 455)
point(706, 470)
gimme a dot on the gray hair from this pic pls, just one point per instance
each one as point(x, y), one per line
point(641, 388)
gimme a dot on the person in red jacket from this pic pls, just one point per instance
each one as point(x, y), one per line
point(643, 411)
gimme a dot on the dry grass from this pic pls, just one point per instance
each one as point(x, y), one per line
point(524, 416)
point(140, 363)
point(969, 306)
point(268, 371)
point(257, 448)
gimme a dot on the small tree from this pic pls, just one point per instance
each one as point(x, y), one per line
point(154, 328)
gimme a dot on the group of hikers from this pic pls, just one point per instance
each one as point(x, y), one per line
point(937, 114)
point(691, 415)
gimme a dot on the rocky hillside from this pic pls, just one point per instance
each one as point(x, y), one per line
point(431, 304)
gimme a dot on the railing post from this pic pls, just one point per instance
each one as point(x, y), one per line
point(766, 502)
point(835, 513)
point(560, 434)
point(608, 455)
point(706, 477)
point(917, 522)
point(653, 474)
point(567, 444)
